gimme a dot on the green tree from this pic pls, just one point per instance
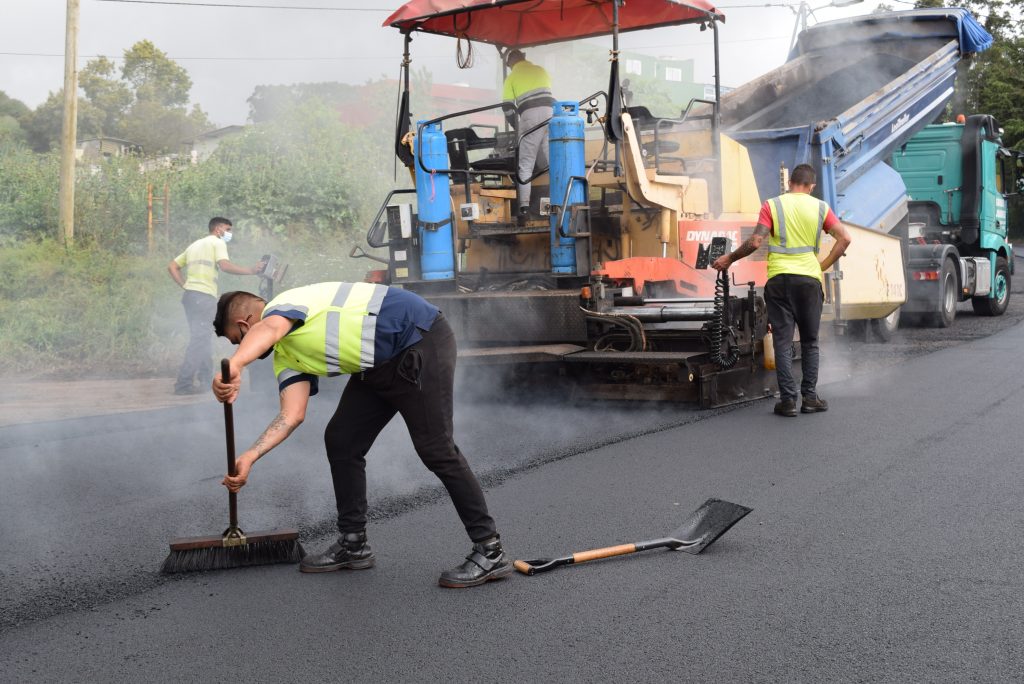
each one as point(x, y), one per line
point(269, 102)
point(992, 82)
point(104, 92)
point(11, 113)
point(158, 117)
point(147, 104)
point(306, 172)
point(42, 126)
point(154, 77)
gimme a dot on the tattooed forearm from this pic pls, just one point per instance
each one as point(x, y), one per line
point(751, 244)
point(269, 439)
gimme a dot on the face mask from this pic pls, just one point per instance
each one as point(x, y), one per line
point(226, 237)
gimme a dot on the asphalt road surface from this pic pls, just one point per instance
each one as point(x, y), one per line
point(882, 546)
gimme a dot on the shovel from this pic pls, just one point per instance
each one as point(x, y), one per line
point(708, 523)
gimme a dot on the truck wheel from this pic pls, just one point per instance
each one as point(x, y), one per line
point(946, 314)
point(885, 328)
point(857, 330)
point(995, 306)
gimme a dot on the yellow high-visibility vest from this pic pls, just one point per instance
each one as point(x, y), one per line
point(528, 85)
point(338, 331)
point(793, 246)
point(200, 263)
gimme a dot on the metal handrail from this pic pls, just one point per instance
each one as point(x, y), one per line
point(513, 175)
point(563, 207)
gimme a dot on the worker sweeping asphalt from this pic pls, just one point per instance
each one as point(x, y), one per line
point(400, 353)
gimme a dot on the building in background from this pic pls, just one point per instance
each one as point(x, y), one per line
point(97, 149)
point(200, 148)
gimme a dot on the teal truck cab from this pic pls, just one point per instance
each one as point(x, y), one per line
point(958, 178)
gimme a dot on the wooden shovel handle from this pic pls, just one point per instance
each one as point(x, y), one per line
point(522, 566)
point(606, 552)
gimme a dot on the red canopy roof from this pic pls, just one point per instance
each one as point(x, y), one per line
point(521, 23)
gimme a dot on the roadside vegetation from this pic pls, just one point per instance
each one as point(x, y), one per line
point(299, 183)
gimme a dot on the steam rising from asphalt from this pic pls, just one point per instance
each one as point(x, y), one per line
point(88, 505)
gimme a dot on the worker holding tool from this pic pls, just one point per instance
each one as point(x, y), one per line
point(793, 223)
point(528, 99)
point(201, 261)
point(400, 354)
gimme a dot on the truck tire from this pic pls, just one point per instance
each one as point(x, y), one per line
point(857, 330)
point(885, 328)
point(948, 297)
point(995, 306)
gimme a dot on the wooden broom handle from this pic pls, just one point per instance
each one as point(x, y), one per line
point(229, 436)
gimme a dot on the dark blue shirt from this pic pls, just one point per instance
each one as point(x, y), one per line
point(403, 318)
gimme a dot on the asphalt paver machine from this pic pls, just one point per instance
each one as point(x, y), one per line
point(606, 287)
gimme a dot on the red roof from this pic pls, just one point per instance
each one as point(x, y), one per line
point(521, 23)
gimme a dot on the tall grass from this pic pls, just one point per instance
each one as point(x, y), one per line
point(84, 312)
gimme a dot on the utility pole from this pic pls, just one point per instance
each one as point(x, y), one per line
point(69, 131)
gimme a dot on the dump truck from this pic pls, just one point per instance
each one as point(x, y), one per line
point(609, 290)
point(958, 177)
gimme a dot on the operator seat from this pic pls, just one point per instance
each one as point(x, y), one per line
point(461, 141)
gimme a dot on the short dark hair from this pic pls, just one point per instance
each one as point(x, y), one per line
point(228, 306)
point(218, 221)
point(514, 55)
point(803, 174)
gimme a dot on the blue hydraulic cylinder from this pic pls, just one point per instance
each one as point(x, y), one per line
point(434, 202)
point(566, 160)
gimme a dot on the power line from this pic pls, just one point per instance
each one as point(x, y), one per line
point(355, 57)
point(231, 59)
point(234, 6)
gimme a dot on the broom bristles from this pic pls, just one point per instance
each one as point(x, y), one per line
point(266, 552)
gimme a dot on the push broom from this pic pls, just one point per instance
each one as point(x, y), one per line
point(234, 548)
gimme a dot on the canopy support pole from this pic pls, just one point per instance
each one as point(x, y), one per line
point(615, 80)
point(716, 122)
point(404, 123)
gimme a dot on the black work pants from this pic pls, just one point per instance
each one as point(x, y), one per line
point(795, 301)
point(200, 310)
point(418, 384)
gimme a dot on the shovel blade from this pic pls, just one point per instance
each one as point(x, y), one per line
point(708, 523)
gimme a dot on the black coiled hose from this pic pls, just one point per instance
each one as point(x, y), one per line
point(719, 323)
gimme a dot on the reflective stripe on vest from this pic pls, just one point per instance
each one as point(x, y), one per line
point(339, 333)
point(342, 347)
point(538, 97)
point(780, 224)
point(525, 83)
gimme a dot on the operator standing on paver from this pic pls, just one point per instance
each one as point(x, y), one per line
point(528, 89)
point(794, 222)
point(400, 353)
point(201, 261)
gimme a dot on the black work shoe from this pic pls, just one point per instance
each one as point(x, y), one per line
point(486, 562)
point(786, 407)
point(813, 405)
point(350, 552)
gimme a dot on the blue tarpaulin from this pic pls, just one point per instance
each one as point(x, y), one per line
point(973, 36)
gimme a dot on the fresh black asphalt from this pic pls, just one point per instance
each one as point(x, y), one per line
point(882, 546)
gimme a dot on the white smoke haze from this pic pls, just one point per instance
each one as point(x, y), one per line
point(125, 484)
point(245, 48)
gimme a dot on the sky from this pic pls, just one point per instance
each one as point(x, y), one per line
point(230, 51)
